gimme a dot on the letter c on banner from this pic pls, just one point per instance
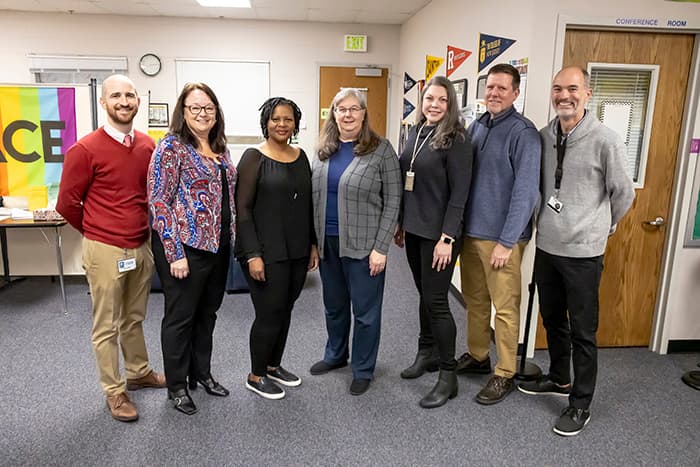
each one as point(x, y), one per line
point(10, 130)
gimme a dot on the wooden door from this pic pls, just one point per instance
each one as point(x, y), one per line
point(333, 78)
point(632, 262)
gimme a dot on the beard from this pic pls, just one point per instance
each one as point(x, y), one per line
point(117, 117)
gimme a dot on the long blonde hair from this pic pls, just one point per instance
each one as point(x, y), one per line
point(367, 141)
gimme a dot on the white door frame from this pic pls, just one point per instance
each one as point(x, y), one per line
point(659, 334)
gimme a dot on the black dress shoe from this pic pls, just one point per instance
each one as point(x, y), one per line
point(359, 386)
point(182, 401)
point(468, 364)
point(211, 386)
point(323, 367)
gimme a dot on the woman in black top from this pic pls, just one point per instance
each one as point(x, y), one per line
point(275, 240)
point(436, 167)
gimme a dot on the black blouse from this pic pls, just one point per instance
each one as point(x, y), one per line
point(274, 211)
point(440, 188)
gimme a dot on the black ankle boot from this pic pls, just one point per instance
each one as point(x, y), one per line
point(426, 360)
point(446, 388)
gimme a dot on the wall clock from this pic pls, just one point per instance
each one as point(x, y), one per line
point(150, 64)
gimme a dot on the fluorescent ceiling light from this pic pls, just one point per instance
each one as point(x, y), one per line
point(225, 3)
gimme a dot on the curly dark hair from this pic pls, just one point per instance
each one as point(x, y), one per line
point(268, 108)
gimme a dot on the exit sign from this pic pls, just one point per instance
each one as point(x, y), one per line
point(355, 43)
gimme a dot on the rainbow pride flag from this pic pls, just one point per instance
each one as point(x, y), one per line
point(37, 126)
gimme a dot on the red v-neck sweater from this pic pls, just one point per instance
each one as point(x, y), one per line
point(103, 188)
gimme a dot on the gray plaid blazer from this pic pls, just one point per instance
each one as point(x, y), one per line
point(369, 196)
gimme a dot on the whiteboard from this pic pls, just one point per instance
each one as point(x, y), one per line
point(241, 88)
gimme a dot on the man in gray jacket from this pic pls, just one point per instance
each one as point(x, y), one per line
point(585, 192)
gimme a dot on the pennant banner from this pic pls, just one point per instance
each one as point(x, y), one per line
point(38, 127)
point(408, 83)
point(431, 66)
point(490, 47)
point(455, 57)
point(407, 108)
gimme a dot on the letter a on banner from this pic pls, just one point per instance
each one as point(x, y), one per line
point(431, 66)
point(408, 83)
point(455, 57)
point(490, 47)
point(407, 108)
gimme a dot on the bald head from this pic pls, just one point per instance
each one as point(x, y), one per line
point(120, 101)
point(116, 80)
point(571, 91)
point(578, 71)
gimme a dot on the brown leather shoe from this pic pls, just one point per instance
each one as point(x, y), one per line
point(495, 390)
point(151, 380)
point(122, 408)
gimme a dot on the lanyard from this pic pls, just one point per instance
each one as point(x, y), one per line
point(561, 149)
point(416, 148)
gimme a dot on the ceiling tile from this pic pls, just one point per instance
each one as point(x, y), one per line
point(334, 11)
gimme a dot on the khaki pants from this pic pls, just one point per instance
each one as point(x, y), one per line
point(482, 285)
point(119, 301)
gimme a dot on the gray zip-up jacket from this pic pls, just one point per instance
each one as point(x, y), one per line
point(369, 196)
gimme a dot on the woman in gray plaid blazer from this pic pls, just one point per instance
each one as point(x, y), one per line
point(356, 191)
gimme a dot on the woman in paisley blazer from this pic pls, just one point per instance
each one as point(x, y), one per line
point(191, 184)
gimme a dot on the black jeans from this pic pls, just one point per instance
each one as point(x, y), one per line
point(437, 326)
point(273, 301)
point(190, 311)
point(568, 296)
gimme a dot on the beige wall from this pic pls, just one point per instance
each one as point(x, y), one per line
point(533, 23)
point(295, 51)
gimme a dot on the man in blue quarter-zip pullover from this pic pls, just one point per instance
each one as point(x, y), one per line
point(497, 226)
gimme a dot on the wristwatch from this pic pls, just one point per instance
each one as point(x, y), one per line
point(448, 240)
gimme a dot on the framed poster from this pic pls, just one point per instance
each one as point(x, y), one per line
point(158, 115)
point(461, 91)
point(481, 87)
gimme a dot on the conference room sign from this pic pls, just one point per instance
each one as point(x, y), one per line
point(37, 126)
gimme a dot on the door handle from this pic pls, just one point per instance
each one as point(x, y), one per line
point(658, 222)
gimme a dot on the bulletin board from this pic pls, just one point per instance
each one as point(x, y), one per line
point(692, 235)
point(240, 86)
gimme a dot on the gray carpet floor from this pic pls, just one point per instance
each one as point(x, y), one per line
point(52, 411)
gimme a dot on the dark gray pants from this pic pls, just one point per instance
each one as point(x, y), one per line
point(568, 296)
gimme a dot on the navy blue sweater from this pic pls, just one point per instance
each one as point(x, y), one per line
point(505, 178)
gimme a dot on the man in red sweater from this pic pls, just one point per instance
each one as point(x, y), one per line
point(103, 195)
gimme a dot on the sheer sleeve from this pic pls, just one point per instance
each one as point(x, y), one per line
point(307, 165)
point(246, 190)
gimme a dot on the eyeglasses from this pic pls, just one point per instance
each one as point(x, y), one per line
point(353, 110)
point(196, 109)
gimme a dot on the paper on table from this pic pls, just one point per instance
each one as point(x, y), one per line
point(2, 218)
point(21, 214)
